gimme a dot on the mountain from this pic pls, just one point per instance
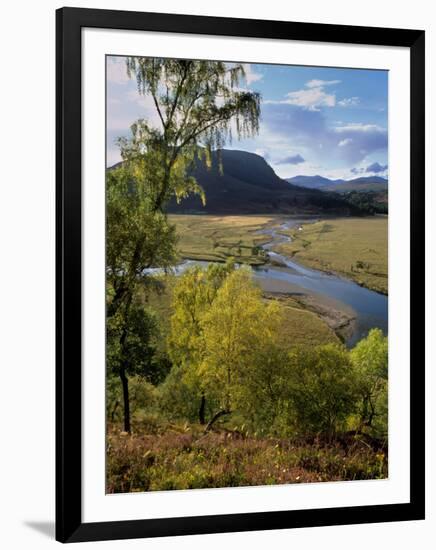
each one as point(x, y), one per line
point(366, 183)
point(312, 182)
point(363, 184)
point(248, 185)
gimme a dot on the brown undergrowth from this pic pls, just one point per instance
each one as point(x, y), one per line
point(184, 457)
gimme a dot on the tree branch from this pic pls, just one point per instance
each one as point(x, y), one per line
point(215, 417)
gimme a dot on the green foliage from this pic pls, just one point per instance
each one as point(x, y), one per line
point(193, 295)
point(183, 457)
point(197, 99)
point(196, 102)
point(370, 361)
point(298, 414)
point(137, 238)
point(370, 202)
point(221, 332)
point(143, 399)
point(263, 391)
point(226, 343)
point(240, 332)
point(131, 345)
point(322, 389)
point(180, 396)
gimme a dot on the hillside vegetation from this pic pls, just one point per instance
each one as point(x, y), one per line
point(354, 247)
point(243, 390)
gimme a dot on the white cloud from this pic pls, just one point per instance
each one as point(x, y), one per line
point(358, 127)
point(311, 99)
point(321, 83)
point(349, 101)
point(251, 75)
point(345, 142)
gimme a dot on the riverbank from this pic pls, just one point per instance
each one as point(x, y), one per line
point(355, 248)
point(346, 308)
point(336, 318)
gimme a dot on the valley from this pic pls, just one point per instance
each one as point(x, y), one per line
point(336, 269)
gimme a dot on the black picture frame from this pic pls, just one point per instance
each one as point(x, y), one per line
point(69, 525)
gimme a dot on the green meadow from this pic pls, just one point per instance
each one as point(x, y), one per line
point(356, 248)
point(216, 238)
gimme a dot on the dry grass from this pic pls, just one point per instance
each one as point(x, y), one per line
point(186, 458)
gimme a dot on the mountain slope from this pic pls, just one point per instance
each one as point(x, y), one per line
point(312, 182)
point(248, 185)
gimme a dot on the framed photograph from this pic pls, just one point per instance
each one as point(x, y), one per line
point(240, 275)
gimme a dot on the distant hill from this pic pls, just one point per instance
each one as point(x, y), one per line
point(370, 183)
point(248, 185)
point(312, 182)
point(366, 183)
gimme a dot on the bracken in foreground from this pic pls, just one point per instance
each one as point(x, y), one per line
point(187, 458)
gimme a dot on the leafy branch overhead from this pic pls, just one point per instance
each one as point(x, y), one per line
point(200, 105)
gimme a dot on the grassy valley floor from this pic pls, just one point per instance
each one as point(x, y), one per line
point(356, 248)
point(216, 238)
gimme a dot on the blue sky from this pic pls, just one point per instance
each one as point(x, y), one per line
point(314, 120)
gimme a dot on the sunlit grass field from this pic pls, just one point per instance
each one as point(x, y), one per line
point(303, 327)
point(216, 238)
point(354, 247)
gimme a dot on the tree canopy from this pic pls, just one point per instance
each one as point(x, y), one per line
point(199, 105)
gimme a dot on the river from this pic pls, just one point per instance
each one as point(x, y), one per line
point(368, 308)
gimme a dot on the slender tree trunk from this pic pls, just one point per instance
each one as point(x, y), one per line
point(125, 384)
point(202, 409)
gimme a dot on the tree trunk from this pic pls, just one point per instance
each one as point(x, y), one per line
point(202, 410)
point(125, 384)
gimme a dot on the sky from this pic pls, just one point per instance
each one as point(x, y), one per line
point(314, 120)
